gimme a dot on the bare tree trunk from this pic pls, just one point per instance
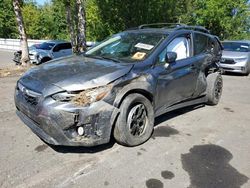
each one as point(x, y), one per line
point(81, 33)
point(25, 60)
point(70, 24)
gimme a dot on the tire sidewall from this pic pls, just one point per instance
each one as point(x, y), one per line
point(212, 81)
point(122, 127)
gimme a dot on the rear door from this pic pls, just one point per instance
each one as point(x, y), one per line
point(62, 49)
point(66, 49)
point(206, 52)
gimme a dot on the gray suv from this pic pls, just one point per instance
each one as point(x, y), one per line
point(236, 57)
point(117, 88)
point(46, 51)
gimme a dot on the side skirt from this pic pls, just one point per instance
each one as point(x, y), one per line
point(200, 100)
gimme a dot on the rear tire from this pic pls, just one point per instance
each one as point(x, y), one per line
point(135, 123)
point(214, 88)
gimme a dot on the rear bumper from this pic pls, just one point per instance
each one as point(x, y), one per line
point(57, 123)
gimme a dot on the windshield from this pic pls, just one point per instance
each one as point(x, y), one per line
point(236, 47)
point(46, 46)
point(34, 46)
point(129, 47)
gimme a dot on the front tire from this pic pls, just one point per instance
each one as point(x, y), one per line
point(214, 88)
point(135, 123)
point(44, 60)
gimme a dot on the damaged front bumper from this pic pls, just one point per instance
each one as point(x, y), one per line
point(57, 123)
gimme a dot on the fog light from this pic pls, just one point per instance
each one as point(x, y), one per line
point(80, 131)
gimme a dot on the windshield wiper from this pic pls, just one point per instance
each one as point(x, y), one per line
point(111, 59)
point(103, 58)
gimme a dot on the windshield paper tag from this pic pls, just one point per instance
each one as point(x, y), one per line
point(139, 55)
point(144, 46)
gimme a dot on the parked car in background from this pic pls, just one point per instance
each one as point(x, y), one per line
point(46, 51)
point(118, 87)
point(17, 54)
point(236, 57)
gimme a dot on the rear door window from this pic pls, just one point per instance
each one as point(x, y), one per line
point(66, 46)
point(202, 43)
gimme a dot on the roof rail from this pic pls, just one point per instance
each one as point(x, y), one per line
point(176, 26)
point(195, 28)
point(161, 25)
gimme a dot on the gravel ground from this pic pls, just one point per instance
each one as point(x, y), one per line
point(6, 59)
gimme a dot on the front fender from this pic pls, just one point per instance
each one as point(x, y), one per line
point(143, 84)
point(43, 55)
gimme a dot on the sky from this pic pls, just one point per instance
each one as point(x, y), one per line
point(41, 2)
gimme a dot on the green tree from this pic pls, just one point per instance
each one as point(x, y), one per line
point(123, 14)
point(225, 18)
point(8, 27)
point(32, 20)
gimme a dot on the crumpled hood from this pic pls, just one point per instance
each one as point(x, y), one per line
point(74, 73)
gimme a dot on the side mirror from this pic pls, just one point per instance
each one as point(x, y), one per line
point(171, 57)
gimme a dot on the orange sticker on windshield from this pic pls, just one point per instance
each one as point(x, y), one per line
point(139, 55)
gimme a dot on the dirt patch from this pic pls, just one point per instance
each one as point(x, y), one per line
point(164, 131)
point(167, 174)
point(228, 110)
point(106, 183)
point(154, 183)
point(139, 153)
point(41, 148)
point(143, 149)
point(16, 71)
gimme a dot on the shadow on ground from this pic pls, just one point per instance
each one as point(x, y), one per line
point(166, 131)
point(175, 113)
point(208, 167)
point(81, 149)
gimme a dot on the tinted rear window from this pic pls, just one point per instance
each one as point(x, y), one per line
point(46, 46)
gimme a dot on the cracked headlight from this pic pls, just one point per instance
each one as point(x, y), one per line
point(63, 97)
point(84, 97)
point(91, 95)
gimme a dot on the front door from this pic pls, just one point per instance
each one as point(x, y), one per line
point(178, 81)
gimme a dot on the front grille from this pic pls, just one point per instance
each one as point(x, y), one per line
point(228, 61)
point(31, 100)
point(30, 96)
